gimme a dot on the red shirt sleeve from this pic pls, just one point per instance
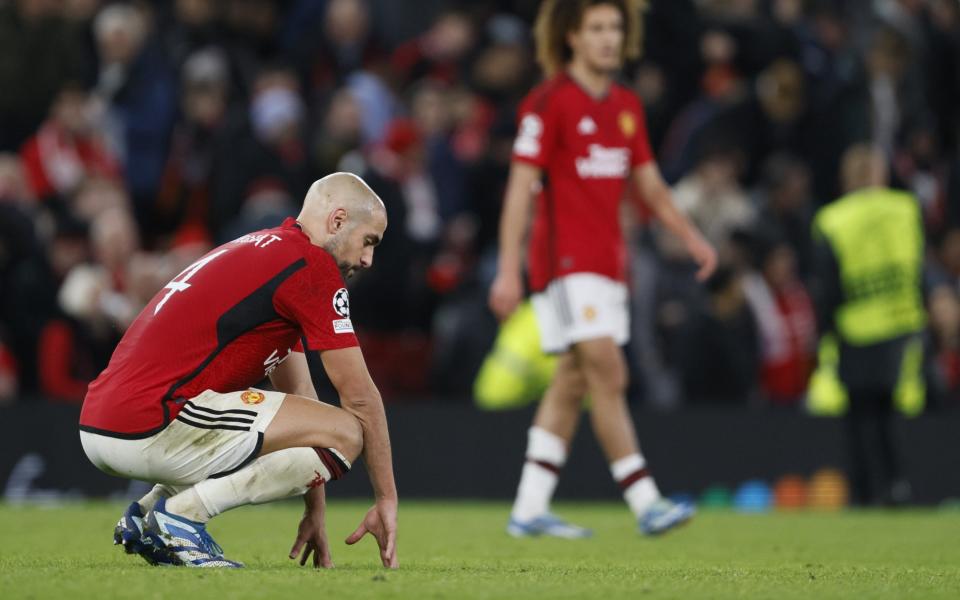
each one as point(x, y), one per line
point(640, 152)
point(316, 299)
point(536, 130)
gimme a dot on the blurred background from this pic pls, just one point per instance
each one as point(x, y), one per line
point(135, 136)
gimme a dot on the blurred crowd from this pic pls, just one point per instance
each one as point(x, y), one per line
point(135, 136)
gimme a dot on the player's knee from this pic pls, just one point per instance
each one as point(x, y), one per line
point(606, 371)
point(575, 383)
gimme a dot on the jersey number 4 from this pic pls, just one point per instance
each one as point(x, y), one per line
point(179, 283)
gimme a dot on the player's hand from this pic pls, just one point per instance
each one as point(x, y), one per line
point(381, 522)
point(506, 293)
point(312, 538)
point(702, 253)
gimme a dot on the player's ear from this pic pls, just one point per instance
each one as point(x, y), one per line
point(337, 220)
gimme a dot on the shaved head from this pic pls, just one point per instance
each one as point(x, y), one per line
point(343, 215)
point(340, 190)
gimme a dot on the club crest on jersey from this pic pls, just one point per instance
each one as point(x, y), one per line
point(628, 124)
point(252, 397)
point(586, 126)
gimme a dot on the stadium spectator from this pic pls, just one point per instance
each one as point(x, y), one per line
point(341, 44)
point(785, 319)
point(199, 146)
point(9, 378)
point(94, 196)
point(137, 90)
point(439, 53)
point(266, 206)
point(944, 368)
point(720, 355)
point(433, 119)
point(338, 140)
point(37, 276)
point(193, 25)
point(271, 145)
point(711, 195)
point(398, 171)
point(251, 40)
point(39, 50)
point(67, 148)
point(785, 205)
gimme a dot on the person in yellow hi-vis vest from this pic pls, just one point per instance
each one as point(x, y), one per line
point(868, 291)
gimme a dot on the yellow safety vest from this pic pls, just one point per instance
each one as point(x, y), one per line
point(877, 237)
point(516, 372)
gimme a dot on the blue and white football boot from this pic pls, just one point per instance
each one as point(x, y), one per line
point(129, 534)
point(664, 515)
point(186, 541)
point(548, 525)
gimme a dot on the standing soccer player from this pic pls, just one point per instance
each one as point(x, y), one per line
point(175, 405)
point(581, 138)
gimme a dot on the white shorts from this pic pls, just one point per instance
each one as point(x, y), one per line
point(214, 435)
point(579, 307)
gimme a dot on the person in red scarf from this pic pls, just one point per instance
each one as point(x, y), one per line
point(67, 148)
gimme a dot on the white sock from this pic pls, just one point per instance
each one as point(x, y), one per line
point(546, 454)
point(160, 490)
point(277, 475)
point(639, 489)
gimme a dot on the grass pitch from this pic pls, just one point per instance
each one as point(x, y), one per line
point(459, 550)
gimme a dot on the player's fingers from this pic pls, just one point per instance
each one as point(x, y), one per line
point(295, 550)
point(326, 561)
point(704, 272)
point(306, 554)
point(707, 266)
point(354, 537)
point(391, 548)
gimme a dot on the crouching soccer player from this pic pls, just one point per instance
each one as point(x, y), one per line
point(175, 406)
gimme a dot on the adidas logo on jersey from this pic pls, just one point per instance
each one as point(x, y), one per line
point(586, 126)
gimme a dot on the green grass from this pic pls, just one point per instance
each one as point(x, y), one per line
point(459, 550)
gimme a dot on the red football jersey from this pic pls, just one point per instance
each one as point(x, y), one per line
point(586, 148)
point(222, 324)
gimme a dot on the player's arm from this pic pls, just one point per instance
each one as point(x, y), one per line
point(507, 290)
point(292, 376)
point(655, 192)
point(359, 396)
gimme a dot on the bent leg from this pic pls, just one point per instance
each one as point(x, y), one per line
point(306, 444)
point(305, 423)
